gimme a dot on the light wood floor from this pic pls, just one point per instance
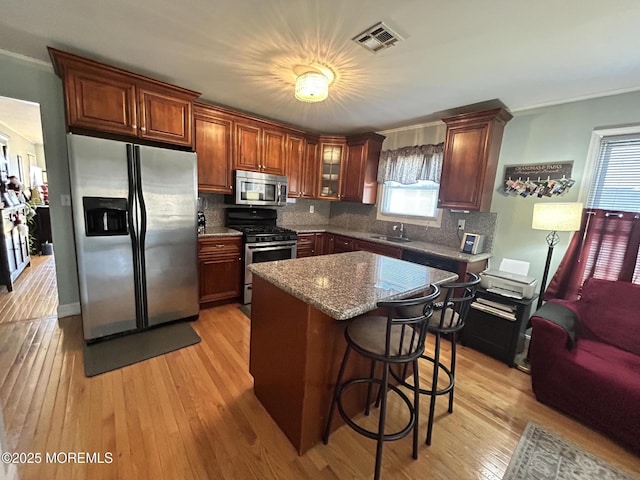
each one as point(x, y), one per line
point(191, 414)
point(35, 292)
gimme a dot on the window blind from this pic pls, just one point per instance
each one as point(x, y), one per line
point(616, 184)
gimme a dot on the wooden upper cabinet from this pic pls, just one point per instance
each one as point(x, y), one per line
point(165, 116)
point(296, 149)
point(301, 168)
point(310, 176)
point(214, 147)
point(102, 98)
point(358, 182)
point(259, 148)
point(470, 160)
point(273, 151)
point(332, 150)
point(248, 154)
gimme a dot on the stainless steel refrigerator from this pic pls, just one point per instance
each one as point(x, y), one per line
point(135, 225)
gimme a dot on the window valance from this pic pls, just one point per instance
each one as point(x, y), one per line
point(407, 165)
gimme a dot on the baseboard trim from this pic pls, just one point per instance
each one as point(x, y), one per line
point(68, 309)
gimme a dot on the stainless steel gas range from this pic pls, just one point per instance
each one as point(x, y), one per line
point(263, 240)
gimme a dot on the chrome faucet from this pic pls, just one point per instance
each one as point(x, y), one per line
point(401, 228)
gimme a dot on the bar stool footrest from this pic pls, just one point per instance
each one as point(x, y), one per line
point(368, 433)
point(424, 391)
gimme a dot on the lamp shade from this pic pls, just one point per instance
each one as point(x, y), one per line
point(558, 217)
point(312, 87)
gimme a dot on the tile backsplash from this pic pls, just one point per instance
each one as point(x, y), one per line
point(291, 214)
point(356, 216)
point(360, 217)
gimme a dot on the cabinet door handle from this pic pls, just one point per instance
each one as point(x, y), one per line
point(220, 245)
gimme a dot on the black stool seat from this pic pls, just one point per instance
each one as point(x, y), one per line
point(390, 340)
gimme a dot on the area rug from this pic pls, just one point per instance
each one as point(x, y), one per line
point(543, 455)
point(119, 352)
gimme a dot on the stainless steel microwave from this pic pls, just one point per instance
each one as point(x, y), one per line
point(254, 188)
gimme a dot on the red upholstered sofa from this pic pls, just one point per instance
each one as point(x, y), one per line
point(585, 358)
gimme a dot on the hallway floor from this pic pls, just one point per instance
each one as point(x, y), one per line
point(35, 292)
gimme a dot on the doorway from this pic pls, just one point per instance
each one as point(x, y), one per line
point(28, 287)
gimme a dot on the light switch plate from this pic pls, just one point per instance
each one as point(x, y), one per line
point(312, 209)
point(65, 200)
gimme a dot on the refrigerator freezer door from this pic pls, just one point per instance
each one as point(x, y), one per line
point(169, 191)
point(98, 168)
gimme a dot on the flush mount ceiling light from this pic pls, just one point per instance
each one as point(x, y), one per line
point(312, 87)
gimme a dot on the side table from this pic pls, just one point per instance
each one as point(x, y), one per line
point(496, 325)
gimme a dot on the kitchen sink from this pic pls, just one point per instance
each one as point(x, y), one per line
point(391, 239)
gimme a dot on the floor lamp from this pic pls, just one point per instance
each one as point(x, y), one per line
point(557, 217)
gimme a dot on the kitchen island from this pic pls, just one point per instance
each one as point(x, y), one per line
point(298, 316)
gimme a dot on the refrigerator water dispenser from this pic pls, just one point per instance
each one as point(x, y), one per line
point(105, 216)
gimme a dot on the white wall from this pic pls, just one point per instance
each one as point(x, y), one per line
point(551, 134)
point(33, 82)
point(40, 156)
point(428, 134)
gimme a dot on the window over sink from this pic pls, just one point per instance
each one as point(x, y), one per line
point(416, 203)
point(409, 181)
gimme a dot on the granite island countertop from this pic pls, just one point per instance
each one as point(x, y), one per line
point(345, 285)
point(444, 251)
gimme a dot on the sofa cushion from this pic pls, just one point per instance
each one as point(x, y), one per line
point(608, 360)
point(594, 382)
point(609, 313)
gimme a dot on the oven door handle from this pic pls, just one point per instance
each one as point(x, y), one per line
point(268, 249)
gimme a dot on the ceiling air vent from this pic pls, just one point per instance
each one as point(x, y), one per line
point(378, 37)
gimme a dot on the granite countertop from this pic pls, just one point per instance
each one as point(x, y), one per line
point(444, 251)
point(345, 285)
point(219, 232)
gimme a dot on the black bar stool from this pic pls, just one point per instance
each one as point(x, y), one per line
point(391, 340)
point(448, 319)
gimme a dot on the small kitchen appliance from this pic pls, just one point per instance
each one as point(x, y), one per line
point(258, 189)
point(202, 220)
point(472, 243)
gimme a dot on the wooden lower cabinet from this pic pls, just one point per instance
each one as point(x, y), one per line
point(386, 250)
point(343, 244)
point(220, 268)
point(324, 243)
point(306, 245)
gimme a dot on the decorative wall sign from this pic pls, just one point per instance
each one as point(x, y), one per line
point(538, 179)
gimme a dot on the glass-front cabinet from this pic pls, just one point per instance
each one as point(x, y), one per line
point(331, 160)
